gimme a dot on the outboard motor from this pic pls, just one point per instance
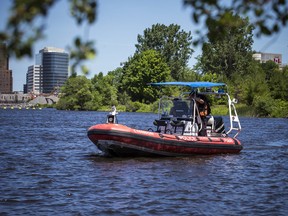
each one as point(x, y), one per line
point(112, 116)
point(210, 125)
point(219, 125)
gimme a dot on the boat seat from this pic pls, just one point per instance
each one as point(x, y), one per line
point(161, 125)
point(176, 124)
point(179, 109)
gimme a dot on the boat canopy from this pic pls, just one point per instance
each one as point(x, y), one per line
point(189, 84)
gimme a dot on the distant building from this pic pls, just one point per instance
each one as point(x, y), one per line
point(34, 79)
point(6, 79)
point(264, 57)
point(16, 97)
point(50, 71)
point(25, 88)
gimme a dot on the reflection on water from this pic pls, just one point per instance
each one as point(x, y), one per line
point(49, 166)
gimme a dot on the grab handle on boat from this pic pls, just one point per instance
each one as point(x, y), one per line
point(234, 120)
point(111, 117)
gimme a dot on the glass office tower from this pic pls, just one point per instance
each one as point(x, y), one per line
point(52, 67)
point(55, 64)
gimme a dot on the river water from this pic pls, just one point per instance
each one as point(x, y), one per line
point(50, 167)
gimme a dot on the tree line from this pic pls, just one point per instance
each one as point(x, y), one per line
point(269, 17)
point(226, 56)
point(162, 54)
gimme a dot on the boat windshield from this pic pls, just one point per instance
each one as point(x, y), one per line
point(175, 107)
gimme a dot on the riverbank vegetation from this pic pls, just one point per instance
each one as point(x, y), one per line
point(162, 54)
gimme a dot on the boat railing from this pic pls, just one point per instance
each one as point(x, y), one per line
point(233, 117)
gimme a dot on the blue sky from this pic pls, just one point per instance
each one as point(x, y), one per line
point(115, 32)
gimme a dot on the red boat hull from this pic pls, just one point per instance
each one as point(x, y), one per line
point(120, 140)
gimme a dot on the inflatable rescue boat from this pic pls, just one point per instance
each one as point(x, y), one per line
point(185, 127)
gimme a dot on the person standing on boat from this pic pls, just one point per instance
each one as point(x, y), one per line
point(203, 105)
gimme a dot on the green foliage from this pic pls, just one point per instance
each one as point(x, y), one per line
point(107, 88)
point(143, 68)
point(269, 67)
point(254, 86)
point(190, 75)
point(83, 10)
point(269, 17)
point(277, 80)
point(244, 110)
point(220, 110)
point(263, 106)
point(263, 90)
point(23, 16)
point(138, 107)
point(279, 109)
point(102, 91)
point(81, 52)
point(172, 43)
point(77, 95)
point(231, 51)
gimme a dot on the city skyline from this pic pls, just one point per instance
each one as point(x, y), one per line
point(115, 33)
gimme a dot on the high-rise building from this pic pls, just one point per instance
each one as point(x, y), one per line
point(6, 79)
point(50, 71)
point(34, 79)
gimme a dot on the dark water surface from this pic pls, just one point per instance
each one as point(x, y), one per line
point(49, 167)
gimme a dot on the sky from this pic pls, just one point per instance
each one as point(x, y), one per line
point(115, 32)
